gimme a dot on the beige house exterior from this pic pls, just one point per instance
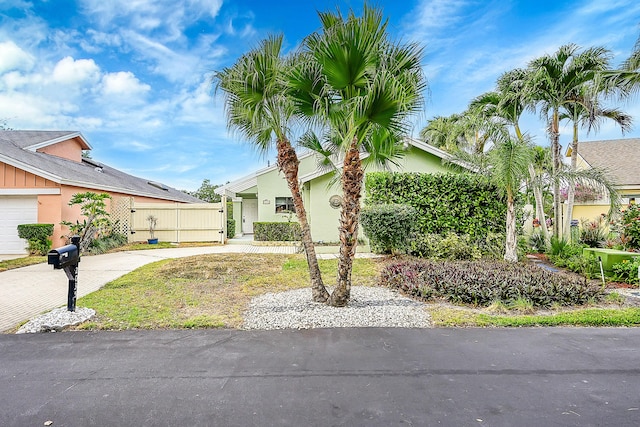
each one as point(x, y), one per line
point(621, 159)
point(40, 171)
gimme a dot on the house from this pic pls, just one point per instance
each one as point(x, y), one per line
point(619, 157)
point(41, 170)
point(264, 196)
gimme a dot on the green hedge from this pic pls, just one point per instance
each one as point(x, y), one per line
point(388, 226)
point(463, 204)
point(231, 228)
point(38, 237)
point(276, 231)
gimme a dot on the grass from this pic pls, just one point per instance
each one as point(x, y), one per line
point(206, 291)
point(21, 262)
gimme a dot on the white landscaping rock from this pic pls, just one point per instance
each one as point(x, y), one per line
point(56, 320)
point(368, 307)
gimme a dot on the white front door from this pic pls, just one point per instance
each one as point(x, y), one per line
point(249, 215)
point(15, 210)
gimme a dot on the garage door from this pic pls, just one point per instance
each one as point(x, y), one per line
point(16, 210)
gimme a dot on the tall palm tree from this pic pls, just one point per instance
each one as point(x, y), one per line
point(581, 117)
point(362, 88)
point(258, 107)
point(554, 81)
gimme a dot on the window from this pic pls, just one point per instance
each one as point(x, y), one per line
point(284, 205)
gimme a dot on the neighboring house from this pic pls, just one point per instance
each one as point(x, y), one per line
point(41, 170)
point(264, 195)
point(621, 159)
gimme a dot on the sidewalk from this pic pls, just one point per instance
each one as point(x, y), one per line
point(28, 291)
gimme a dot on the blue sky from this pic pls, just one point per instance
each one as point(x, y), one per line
point(134, 75)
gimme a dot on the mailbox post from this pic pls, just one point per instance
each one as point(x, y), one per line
point(67, 258)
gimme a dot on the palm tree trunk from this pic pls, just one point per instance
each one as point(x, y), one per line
point(555, 153)
point(511, 244)
point(288, 164)
point(537, 194)
point(571, 193)
point(352, 175)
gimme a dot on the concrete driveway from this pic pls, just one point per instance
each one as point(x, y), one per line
point(28, 291)
point(323, 377)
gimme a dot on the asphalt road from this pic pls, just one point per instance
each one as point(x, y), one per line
point(323, 377)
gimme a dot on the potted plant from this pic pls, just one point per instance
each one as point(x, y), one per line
point(152, 227)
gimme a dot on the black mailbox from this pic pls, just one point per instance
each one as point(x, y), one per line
point(64, 256)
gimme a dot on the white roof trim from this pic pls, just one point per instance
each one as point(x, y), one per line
point(62, 138)
point(28, 191)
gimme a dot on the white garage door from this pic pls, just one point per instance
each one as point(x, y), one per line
point(16, 210)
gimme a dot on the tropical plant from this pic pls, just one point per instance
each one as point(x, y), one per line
point(361, 87)
point(259, 108)
point(153, 221)
point(96, 218)
point(557, 81)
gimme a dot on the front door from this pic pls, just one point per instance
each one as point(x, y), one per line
point(249, 215)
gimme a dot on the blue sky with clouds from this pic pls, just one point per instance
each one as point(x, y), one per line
point(134, 75)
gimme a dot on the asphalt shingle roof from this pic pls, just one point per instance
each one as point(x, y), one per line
point(86, 173)
point(621, 157)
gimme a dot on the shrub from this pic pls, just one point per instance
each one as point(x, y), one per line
point(105, 243)
point(593, 233)
point(631, 226)
point(231, 227)
point(626, 271)
point(38, 237)
point(388, 226)
point(537, 242)
point(454, 247)
point(276, 231)
point(462, 204)
point(483, 283)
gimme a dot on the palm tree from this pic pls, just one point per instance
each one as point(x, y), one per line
point(555, 81)
point(362, 88)
point(509, 162)
point(442, 132)
point(579, 116)
point(258, 107)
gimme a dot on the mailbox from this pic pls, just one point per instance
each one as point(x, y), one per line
point(64, 256)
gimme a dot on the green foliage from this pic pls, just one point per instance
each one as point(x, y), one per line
point(231, 227)
point(94, 208)
point(449, 246)
point(593, 233)
point(388, 226)
point(38, 237)
point(626, 271)
point(558, 245)
point(457, 203)
point(206, 192)
point(537, 242)
point(105, 243)
point(631, 226)
point(483, 283)
point(276, 231)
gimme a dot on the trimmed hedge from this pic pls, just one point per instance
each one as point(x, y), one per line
point(463, 204)
point(231, 228)
point(388, 226)
point(38, 237)
point(276, 231)
point(482, 283)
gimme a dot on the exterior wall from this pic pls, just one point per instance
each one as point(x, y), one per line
point(12, 177)
point(70, 149)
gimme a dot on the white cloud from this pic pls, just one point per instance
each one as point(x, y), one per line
point(12, 57)
point(123, 83)
point(75, 72)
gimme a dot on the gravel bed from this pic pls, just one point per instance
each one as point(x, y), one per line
point(368, 307)
point(56, 320)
